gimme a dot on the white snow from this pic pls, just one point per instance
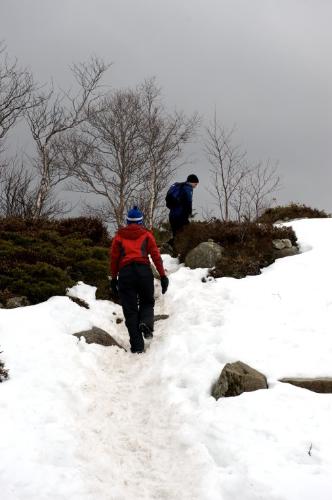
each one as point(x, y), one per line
point(86, 422)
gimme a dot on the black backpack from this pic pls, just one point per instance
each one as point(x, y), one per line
point(174, 195)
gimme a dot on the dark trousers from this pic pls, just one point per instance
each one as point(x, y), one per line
point(136, 291)
point(177, 223)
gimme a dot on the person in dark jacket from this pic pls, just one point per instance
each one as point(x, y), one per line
point(132, 278)
point(179, 214)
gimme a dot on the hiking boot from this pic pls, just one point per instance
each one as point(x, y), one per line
point(145, 331)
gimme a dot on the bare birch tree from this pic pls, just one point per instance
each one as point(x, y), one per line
point(163, 136)
point(128, 152)
point(16, 186)
point(53, 115)
point(107, 157)
point(263, 183)
point(241, 192)
point(18, 194)
point(16, 86)
point(228, 167)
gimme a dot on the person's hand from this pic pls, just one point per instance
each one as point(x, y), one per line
point(164, 284)
point(115, 287)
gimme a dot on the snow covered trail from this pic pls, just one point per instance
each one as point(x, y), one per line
point(134, 433)
point(85, 422)
point(82, 421)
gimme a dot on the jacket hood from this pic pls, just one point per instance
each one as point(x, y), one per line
point(132, 231)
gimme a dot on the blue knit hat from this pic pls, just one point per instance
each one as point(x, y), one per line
point(134, 216)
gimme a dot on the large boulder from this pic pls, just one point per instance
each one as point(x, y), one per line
point(206, 254)
point(286, 252)
point(98, 336)
point(320, 384)
point(284, 248)
point(237, 378)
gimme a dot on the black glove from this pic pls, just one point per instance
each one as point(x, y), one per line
point(164, 284)
point(114, 287)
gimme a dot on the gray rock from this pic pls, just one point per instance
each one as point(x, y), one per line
point(320, 384)
point(158, 317)
point(277, 244)
point(237, 378)
point(286, 252)
point(284, 248)
point(280, 244)
point(97, 336)
point(79, 302)
point(206, 254)
point(14, 302)
point(287, 243)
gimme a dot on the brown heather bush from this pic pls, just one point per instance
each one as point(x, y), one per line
point(248, 246)
point(291, 212)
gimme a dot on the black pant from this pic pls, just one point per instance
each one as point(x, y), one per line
point(136, 291)
point(177, 223)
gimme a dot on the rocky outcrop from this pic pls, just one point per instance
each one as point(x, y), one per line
point(98, 336)
point(237, 378)
point(320, 384)
point(206, 254)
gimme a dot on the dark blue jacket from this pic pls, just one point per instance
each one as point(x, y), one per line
point(184, 210)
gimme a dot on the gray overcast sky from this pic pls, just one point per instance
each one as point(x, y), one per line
point(265, 65)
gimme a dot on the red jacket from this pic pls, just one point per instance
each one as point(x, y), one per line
point(134, 243)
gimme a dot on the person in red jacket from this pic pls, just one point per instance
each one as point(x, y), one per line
point(132, 278)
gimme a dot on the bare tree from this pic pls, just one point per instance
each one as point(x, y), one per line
point(16, 86)
point(128, 151)
point(18, 194)
point(240, 203)
point(163, 137)
point(263, 183)
point(107, 156)
point(241, 191)
point(53, 115)
point(228, 167)
point(17, 191)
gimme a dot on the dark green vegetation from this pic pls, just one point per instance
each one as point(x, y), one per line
point(248, 246)
point(42, 258)
point(291, 212)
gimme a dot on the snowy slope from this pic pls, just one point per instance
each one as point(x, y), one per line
point(84, 422)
